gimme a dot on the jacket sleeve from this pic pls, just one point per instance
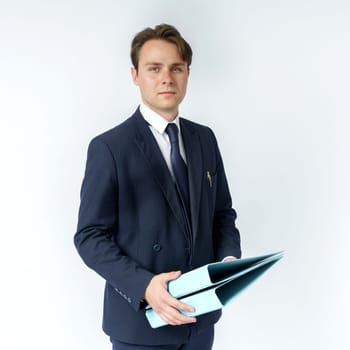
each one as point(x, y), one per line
point(98, 224)
point(226, 235)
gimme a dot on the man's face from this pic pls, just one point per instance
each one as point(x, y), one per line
point(162, 77)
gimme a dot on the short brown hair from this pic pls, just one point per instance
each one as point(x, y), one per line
point(163, 32)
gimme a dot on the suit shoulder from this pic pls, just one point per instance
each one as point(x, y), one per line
point(118, 135)
point(204, 130)
point(123, 128)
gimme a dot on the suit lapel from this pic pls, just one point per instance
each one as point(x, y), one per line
point(150, 149)
point(194, 163)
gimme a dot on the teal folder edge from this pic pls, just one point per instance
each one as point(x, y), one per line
point(215, 285)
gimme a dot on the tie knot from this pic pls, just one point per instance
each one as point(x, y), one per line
point(172, 132)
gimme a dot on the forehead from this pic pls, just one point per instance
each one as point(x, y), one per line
point(160, 51)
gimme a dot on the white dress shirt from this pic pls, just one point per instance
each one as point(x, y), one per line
point(158, 124)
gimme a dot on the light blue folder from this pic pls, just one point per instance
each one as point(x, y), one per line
point(213, 286)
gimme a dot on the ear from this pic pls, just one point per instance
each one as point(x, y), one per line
point(134, 75)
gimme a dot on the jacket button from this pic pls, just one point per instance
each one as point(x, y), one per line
point(157, 247)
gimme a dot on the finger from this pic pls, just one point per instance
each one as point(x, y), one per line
point(174, 317)
point(169, 276)
point(182, 306)
point(169, 300)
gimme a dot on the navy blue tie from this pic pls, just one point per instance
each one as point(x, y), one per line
point(178, 165)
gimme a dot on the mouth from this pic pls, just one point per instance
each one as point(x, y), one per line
point(167, 93)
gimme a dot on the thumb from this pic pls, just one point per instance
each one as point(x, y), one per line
point(173, 275)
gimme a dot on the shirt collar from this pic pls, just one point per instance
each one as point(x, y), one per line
point(156, 120)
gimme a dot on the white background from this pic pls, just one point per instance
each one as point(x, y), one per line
point(270, 77)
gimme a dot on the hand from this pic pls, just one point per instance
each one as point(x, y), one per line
point(229, 258)
point(163, 303)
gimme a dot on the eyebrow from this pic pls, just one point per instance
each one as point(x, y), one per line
point(162, 64)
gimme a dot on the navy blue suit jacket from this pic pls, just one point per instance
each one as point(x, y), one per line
point(131, 224)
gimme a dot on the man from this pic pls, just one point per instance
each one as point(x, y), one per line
point(155, 203)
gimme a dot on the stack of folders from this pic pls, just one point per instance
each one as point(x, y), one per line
point(213, 286)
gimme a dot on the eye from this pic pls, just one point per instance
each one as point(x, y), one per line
point(177, 69)
point(154, 69)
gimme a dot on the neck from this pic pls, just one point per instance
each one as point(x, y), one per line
point(168, 115)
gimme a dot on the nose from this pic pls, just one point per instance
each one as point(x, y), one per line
point(166, 77)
